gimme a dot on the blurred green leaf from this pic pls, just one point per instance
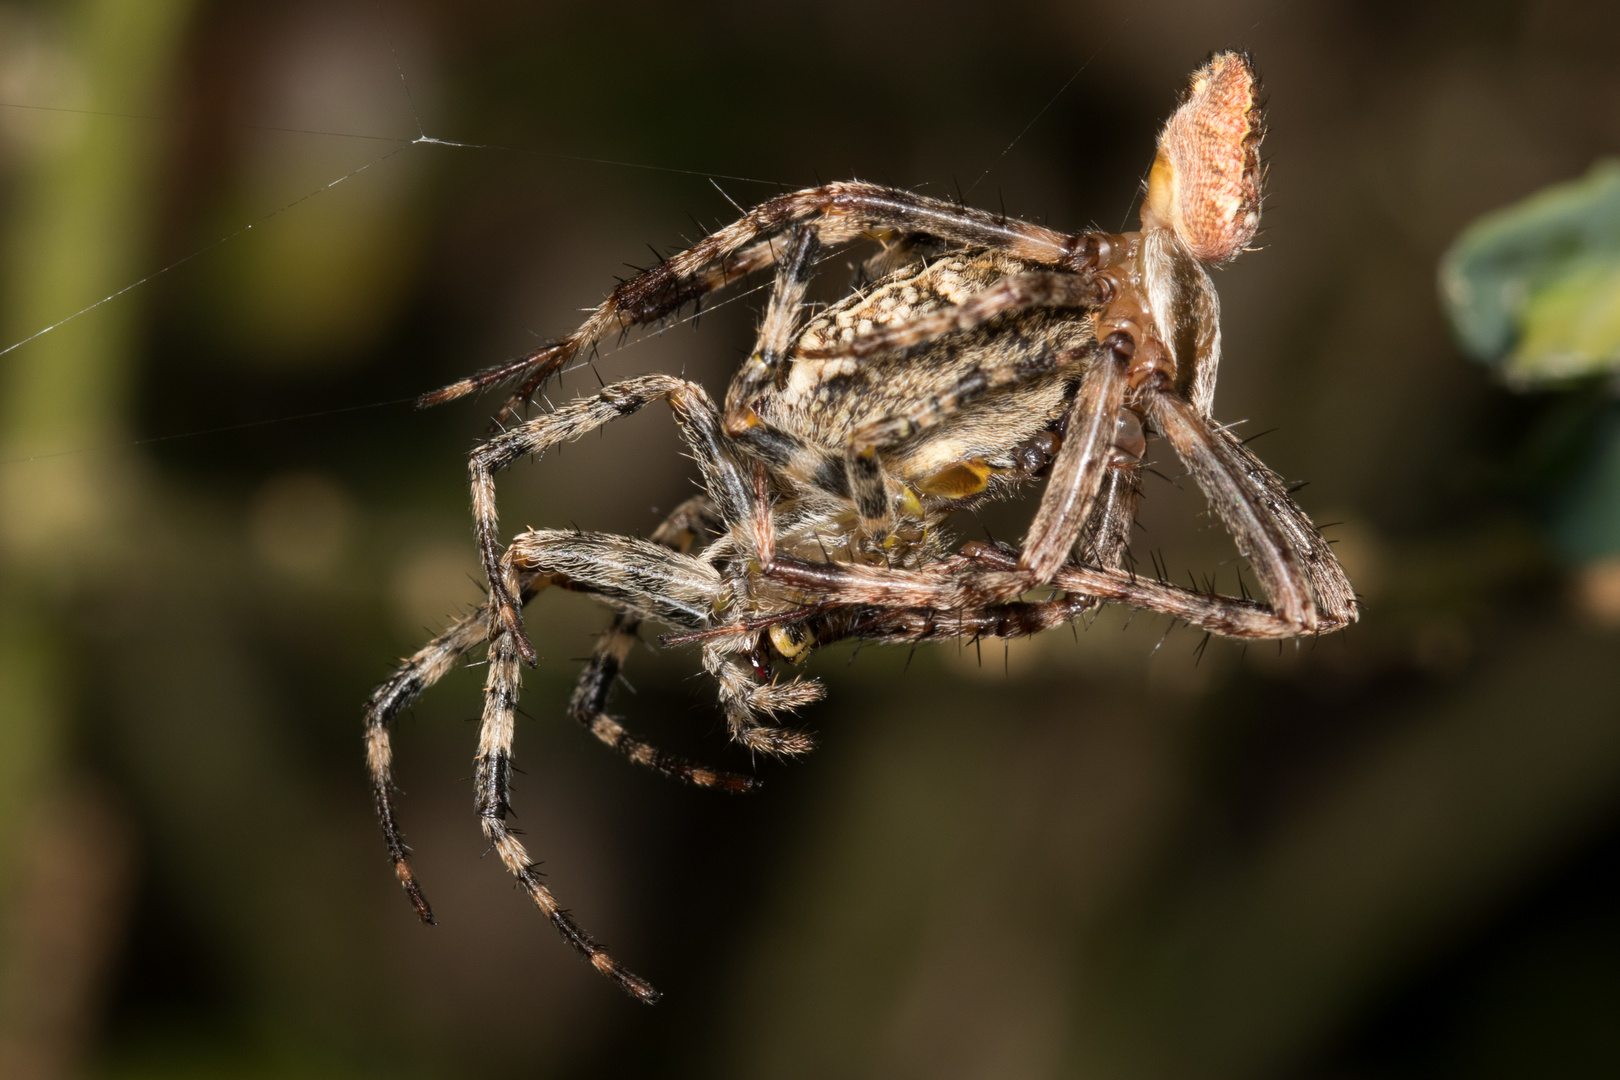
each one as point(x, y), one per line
point(1534, 288)
point(1585, 516)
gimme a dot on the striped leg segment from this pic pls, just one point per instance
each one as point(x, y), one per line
point(745, 700)
point(493, 780)
point(693, 519)
point(949, 605)
point(430, 664)
point(729, 488)
point(840, 213)
point(589, 707)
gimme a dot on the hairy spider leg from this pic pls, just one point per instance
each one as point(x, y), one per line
point(841, 211)
point(434, 660)
point(492, 779)
point(693, 518)
point(1082, 464)
point(648, 580)
point(744, 699)
point(768, 365)
point(764, 372)
point(1017, 292)
point(589, 707)
point(1078, 472)
point(972, 602)
point(413, 676)
point(1295, 566)
point(631, 304)
point(727, 487)
point(640, 577)
point(1106, 536)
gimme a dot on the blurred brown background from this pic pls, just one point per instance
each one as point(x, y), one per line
point(1386, 853)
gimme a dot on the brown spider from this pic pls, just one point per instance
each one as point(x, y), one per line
point(984, 353)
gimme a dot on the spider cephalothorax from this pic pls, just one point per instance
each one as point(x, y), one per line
point(980, 354)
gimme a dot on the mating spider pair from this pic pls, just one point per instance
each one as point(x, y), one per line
point(981, 353)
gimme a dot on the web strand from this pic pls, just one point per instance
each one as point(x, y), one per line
point(1050, 102)
point(202, 250)
point(165, 120)
point(403, 144)
point(272, 421)
point(393, 50)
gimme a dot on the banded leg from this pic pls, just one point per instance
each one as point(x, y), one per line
point(431, 663)
point(745, 699)
point(589, 707)
point(1227, 616)
point(767, 368)
point(947, 599)
point(841, 212)
point(589, 703)
point(493, 781)
point(414, 675)
point(730, 490)
point(1084, 587)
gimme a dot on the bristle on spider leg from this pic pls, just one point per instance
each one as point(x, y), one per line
point(414, 676)
point(589, 707)
point(492, 780)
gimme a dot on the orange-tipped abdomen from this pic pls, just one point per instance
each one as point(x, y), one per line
point(1205, 183)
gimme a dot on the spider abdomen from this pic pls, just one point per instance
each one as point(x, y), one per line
point(831, 401)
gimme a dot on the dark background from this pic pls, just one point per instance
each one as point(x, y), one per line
point(1388, 852)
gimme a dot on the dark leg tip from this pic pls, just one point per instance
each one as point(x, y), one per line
point(445, 393)
point(413, 891)
point(641, 990)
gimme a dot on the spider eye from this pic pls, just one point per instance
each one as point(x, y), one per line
point(1205, 184)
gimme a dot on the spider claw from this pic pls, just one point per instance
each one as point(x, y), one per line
point(634, 985)
point(458, 389)
point(413, 891)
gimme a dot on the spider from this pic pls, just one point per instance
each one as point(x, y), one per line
point(976, 355)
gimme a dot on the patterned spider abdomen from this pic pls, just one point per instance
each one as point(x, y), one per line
point(828, 401)
point(1205, 184)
